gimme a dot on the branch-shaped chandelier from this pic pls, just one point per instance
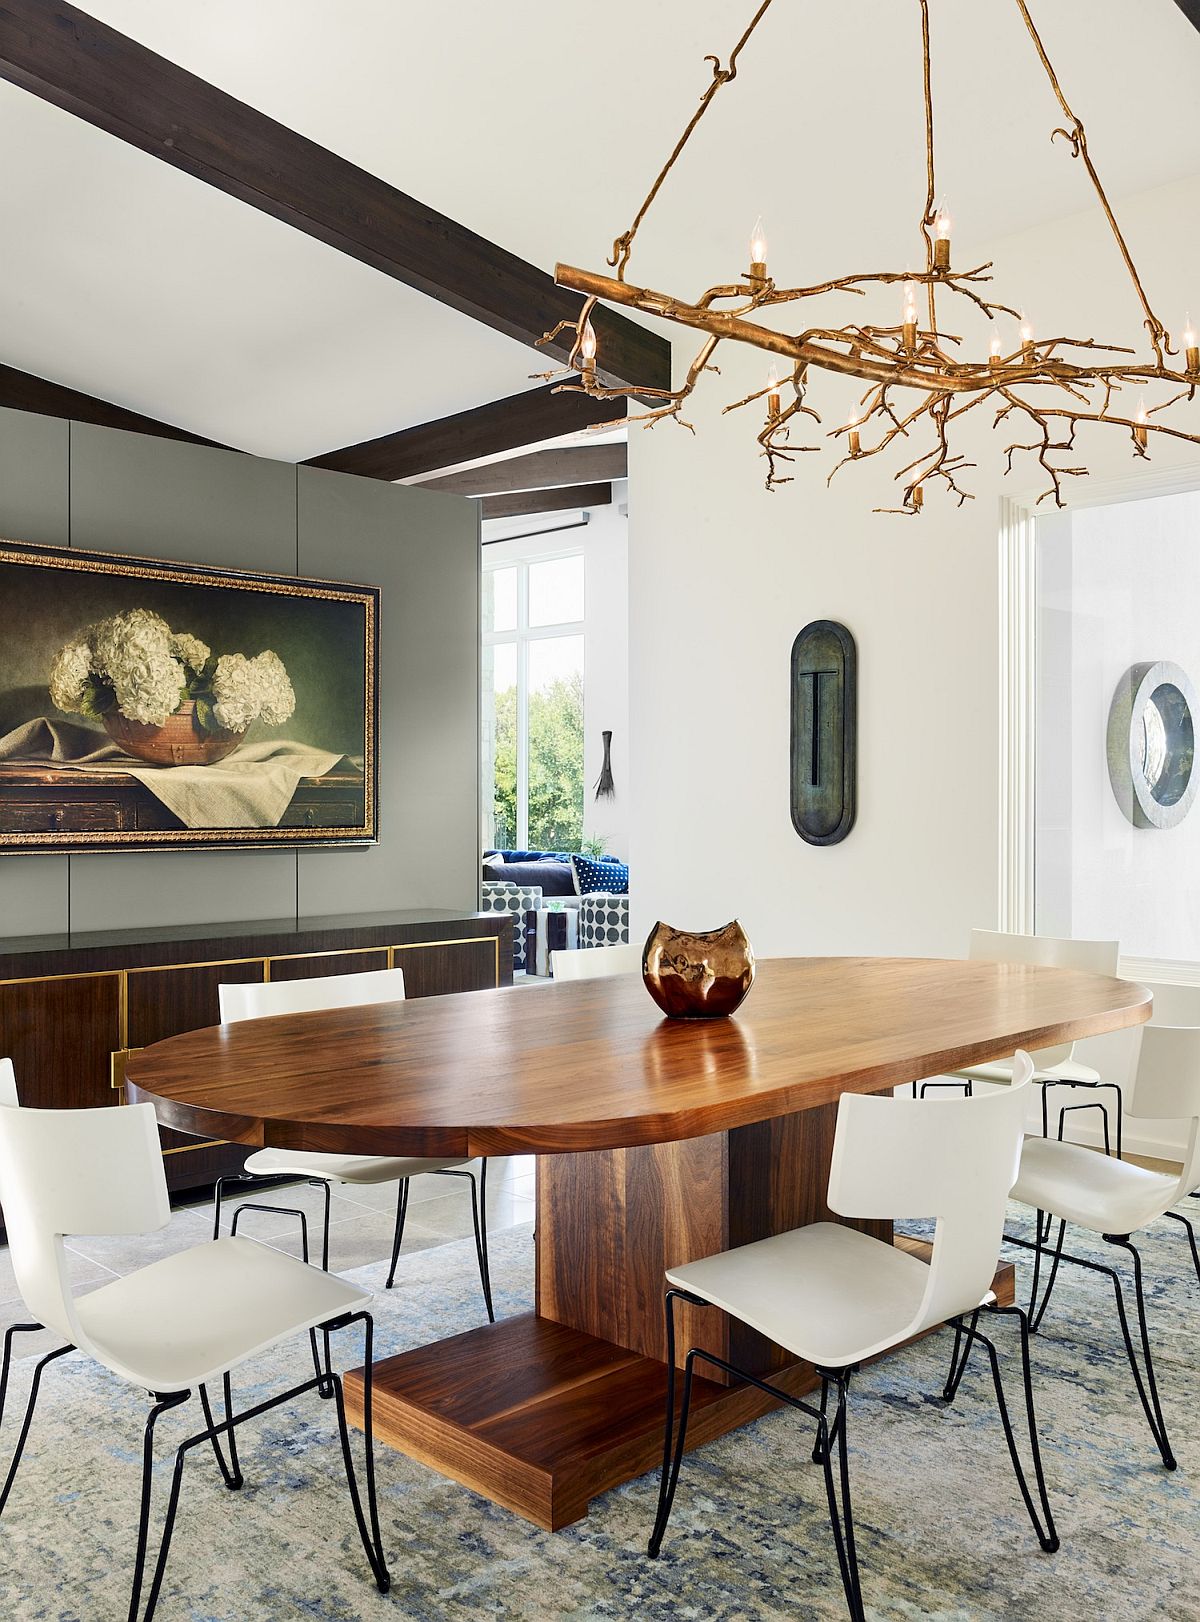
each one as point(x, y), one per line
point(1043, 388)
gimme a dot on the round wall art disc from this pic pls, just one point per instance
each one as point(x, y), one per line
point(1151, 744)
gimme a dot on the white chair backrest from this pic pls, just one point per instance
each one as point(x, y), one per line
point(1053, 952)
point(8, 1085)
point(260, 1000)
point(955, 1160)
point(75, 1171)
point(596, 962)
point(1166, 1087)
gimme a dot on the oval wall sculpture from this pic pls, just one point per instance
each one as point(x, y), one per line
point(1152, 743)
point(824, 764)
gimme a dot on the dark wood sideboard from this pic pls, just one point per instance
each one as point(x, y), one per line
point(73, 1008)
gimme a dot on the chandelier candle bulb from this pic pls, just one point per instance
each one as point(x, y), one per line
point(1140, 433)
point(994, 356)
point(941, 242)
point(587, 348)
point(855, 444)
point(1027, 349)
point(918, 499)
point(910, 316)
point(758, 252)
point(773, 401)
point(1191, 349)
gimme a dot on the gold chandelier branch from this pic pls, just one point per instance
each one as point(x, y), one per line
point(623, 246)
point(1055, 384)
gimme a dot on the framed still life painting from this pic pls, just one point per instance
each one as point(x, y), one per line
point(147, 705)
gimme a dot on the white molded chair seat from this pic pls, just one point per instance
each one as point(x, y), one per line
point(831, 1294)
point(183, 1321)
point(999, 1072)
point(1092, 1190)
point(361, 1169)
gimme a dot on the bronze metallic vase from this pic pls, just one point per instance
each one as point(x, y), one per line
point(698, 976)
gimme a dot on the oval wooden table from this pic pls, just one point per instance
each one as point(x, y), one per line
point(661, 1141)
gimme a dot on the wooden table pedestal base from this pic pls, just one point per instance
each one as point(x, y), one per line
point(542, 1418)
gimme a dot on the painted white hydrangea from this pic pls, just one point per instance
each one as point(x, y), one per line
point(246, 689)
point(190, 649)
point(235, 692)
point(69, 676)
point(277, 699)
point(139, 633)
point(148, 685)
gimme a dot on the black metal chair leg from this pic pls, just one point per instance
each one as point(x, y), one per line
point(479, 1218)
point(230, 1472)
point(821, 1444)
point(219, 1194)
point(1147, 1389)
point(964, 1339)
point(372, 1541)
point(23, 1436)
point(841, 1515)
point(1038, 1312)
point(398, 1236)
point(321, 1183)
point(139, 1564)
point(1043, 1525)
point(5, 1365)
point(672, 1455)
point(1175, 1216)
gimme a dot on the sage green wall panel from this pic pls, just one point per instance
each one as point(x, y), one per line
point(161, 499)
point(421, 548)
point(34, 506)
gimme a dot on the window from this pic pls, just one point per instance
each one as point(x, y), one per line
point(533, 612)
point(1117, 838)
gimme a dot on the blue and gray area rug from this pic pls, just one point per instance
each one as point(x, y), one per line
point(941, 1531)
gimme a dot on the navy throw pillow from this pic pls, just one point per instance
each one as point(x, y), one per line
point(591, 877)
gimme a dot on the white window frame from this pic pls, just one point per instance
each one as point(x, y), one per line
point(520, 637)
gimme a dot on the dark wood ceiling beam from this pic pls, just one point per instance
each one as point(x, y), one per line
point(486, 430)
point(524, 503)
point(22, 391)
point(540, 470)
point(1191, 10)
point(80, 64)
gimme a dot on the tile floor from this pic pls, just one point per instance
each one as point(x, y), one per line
point(362, 1222)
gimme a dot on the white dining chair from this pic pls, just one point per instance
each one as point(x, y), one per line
point(596, 962)
point(262, 1000)
point(10, 1100)
point(1055, 1066)
point(176, 1326)
point(1115, 1199)
point(835, 1296)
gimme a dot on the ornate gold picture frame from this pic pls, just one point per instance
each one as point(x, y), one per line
point(154, 705)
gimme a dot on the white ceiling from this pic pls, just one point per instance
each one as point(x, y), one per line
point(540, 123)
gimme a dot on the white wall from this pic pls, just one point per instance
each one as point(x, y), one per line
point(605, 547)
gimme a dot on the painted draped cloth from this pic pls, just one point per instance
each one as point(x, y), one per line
point(251, 788)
